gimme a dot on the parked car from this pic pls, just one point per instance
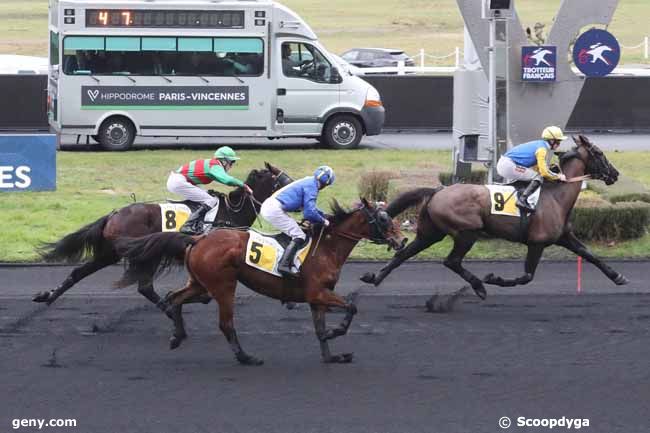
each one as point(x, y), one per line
point(376, 57)
point(347, 66)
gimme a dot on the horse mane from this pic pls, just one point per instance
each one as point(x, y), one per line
point(340, 214)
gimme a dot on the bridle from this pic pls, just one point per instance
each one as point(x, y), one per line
point(600, 172)
point(376, 233)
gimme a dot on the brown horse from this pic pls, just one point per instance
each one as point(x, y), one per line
point(217, 261)
point(96, 240)
point(464, 212)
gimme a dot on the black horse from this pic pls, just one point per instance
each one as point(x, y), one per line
point(96, 241)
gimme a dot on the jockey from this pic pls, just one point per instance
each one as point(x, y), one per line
point(185, 180)
point(530, 161)
point(298, 195)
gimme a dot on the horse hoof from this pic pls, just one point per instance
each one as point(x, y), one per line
point(175, 341)
point(621, 280)
point(249, 360)
point(481, 293)
point(344, 358)
point(368, 278)
point(41, 297)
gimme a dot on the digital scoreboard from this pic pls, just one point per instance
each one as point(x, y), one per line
point(142, 18)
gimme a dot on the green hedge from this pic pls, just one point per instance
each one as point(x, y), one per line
point(609, 223)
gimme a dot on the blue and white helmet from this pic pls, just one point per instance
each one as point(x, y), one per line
point(325, 175)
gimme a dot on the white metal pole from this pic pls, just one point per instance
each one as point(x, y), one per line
point(457, 57)
point(422, 57)
point(647, 48)
point(400, 67)
point(492, 103)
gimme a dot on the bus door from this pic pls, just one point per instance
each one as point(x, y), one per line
point(305, 91)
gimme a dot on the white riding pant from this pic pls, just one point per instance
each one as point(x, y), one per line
point(510, 171)
point(178, 184)
point(272, 212)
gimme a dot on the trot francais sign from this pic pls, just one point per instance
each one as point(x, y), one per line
point(538, 63)
point(165, 98)
point(596, 53)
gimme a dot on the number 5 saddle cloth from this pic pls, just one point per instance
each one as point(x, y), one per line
point(264, 251)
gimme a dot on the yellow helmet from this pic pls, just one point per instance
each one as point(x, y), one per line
point(553, 133)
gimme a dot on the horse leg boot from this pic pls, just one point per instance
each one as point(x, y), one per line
point(522, 200)
point(573, 244)
point(318, 316)
point(532, 260)
point(285, 267)
point(462, 244)
point(194, 224)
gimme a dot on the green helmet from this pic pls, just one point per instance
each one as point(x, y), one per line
point(225, 152)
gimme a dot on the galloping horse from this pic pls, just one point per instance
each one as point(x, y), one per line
point(217, 261)
point(464, 212)
point(96, 240)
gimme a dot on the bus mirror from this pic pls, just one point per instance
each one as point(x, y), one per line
point(336, 76)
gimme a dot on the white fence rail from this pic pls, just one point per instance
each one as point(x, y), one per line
point(422, 56)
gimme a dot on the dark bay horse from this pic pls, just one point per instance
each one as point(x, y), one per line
point(216, 262)
point(464, 212)
point(96, 241)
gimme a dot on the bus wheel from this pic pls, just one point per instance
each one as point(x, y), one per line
point(116, 134)
point(342, 131)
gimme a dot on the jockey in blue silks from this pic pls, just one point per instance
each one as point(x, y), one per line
point(298, 195)
point(530, 162)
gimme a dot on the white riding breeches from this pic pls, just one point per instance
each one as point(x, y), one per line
point(510, 171)
point(177, 184)
point(272, 212)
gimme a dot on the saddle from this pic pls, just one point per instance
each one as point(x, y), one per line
point(189, 203)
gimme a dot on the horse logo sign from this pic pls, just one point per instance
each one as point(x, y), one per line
point(596, 53)
point(538, 63)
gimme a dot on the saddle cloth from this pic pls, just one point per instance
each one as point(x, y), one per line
point(503, 198)
point(175, 213)
point(264, 251)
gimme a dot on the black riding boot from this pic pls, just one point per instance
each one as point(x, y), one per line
point(522, 200)
point(286, 262)
point(194, 224)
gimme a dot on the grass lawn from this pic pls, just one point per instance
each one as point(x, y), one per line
point(91, 184)
point(435, 25)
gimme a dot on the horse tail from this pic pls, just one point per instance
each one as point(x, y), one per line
point(152, 255)
point(409, 199)
point(88, 241)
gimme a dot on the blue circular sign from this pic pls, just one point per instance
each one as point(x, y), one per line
point(596, 53)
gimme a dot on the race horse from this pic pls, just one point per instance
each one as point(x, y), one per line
point(96, 241)
point(463, 212)
point(216, 261)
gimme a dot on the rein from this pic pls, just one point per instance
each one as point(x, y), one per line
point(578, 178)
